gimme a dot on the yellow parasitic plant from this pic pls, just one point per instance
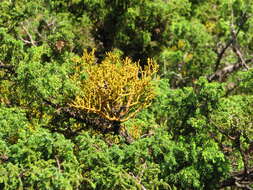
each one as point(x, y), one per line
point(116, 89)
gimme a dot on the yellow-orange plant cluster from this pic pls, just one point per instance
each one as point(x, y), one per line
point(115, 89)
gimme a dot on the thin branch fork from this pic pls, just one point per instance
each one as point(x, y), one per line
point(222, 132)
point(239, 179)
point(220, 55)
point(138, 180)
point(236, 48)
point(74, 114)
point(244, 178)
point(30, 41)
point(58, 163)
point(231, 41)
point(221, 74)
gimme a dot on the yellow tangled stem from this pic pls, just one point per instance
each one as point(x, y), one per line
point(116, 89)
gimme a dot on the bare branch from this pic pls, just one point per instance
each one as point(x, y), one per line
point(231, 40)
point(221, 74)
point(220, 55)
point(239, 179)
point(58, 163)
point(222, 132)
point(137, 180)
point(73, 113)
point(240, 56)
point(30, 41)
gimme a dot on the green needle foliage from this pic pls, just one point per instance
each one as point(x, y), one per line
point(103, 120)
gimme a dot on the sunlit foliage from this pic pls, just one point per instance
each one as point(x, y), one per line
point(116, 89)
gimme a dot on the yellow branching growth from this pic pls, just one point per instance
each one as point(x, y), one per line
point(115, 89)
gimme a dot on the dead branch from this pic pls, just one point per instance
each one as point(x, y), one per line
point(221, 74)
point(220, 55)
point(138, 181)
point(230, 41)
point(73, 113)
point(222, 132)
point(30, 41)
point(58, 163)
point(239, 179)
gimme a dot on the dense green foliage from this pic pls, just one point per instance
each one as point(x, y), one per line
point(192, 126)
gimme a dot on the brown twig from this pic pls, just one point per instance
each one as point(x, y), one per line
point(30, 41)
point(222, 132)
point(72, 113)
point(58, 163)
point(137, 180)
